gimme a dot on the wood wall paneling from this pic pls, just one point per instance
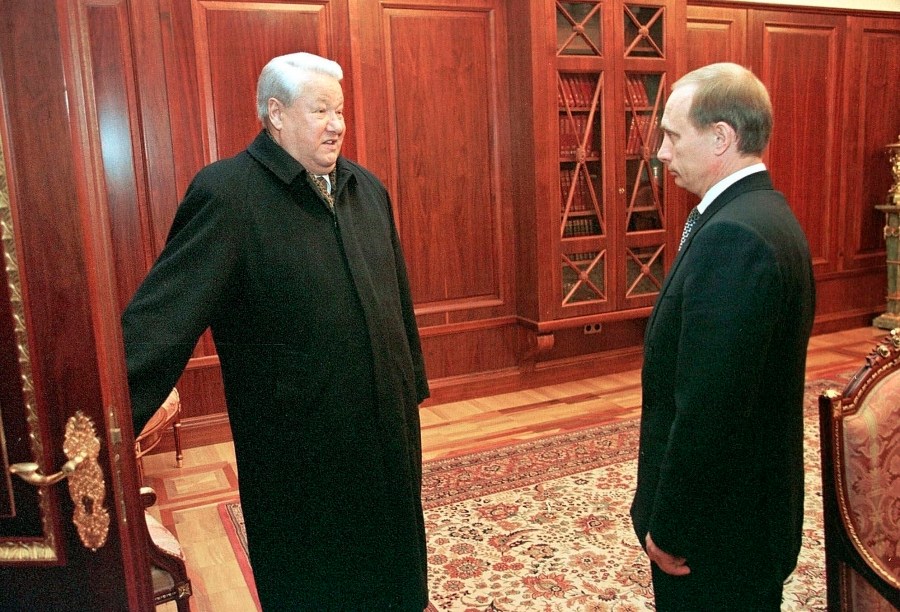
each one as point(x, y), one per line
point(715, 34)
point(533, 91)
point(872, 116)
point(447, 153)
point(482, 352)
point(233, 41)
point(849, 299)
point(110, 100)
point(180, 81)
point(799, 59)
point(831, 78)
point(445, 114)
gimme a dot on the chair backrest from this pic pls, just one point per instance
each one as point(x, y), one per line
point(860, 442)
point(165, 415)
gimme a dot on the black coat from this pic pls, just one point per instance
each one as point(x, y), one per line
point(314, 327)
point(720, 471)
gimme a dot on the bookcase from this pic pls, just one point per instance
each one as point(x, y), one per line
point(611, 66)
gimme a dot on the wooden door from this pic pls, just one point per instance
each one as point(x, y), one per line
point(75, 544)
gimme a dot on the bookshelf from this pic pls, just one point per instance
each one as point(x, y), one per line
point(612, 67)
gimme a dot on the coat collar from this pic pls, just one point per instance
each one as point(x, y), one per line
point(271, 155)
point(754, 182)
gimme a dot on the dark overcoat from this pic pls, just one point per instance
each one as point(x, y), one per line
point(313, 322)
point(720, 471)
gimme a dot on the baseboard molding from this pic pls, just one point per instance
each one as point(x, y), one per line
point(458, 388)
point(197, 431)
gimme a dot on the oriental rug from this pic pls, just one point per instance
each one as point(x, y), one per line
point(544, 526)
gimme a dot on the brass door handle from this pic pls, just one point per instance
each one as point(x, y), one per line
point(29, 472)
point(85, 477)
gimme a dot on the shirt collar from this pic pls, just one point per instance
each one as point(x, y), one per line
point(716, 190)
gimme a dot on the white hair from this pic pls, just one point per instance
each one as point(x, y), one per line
point(284, 76)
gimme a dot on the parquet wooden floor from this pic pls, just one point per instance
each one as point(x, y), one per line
point(188, 496)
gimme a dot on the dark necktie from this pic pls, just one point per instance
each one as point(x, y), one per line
point(321, 188)
point(693, 216)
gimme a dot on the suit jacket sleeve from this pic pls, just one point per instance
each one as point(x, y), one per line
point(728, 317)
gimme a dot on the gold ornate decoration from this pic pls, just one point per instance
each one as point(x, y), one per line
point(45, 548)
point(894, 192)
point(86, 485)
point(891, 208)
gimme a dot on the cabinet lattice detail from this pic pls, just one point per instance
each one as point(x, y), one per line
point(579, 150)
point(578, 28)
point(643, 110)
point(644, 31)
point(584, 277)
point(611, 73)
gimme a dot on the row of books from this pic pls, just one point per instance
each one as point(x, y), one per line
point(642, 133)
point(572, 129)
point(581, 226)
point(576, 90)
point(636, 90)
point(582, 198)
point(576, 258)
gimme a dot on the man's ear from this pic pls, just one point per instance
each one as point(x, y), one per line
point(275, 109)
point(725, 137)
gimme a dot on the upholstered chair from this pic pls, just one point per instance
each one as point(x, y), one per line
point(167, 567)
point(860, 441)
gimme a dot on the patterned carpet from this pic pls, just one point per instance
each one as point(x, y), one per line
point(544, 526)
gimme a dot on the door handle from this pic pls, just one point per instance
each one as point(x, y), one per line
point(85, 477)
point(30, 472)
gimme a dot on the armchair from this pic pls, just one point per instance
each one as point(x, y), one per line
point(167, 415)
point(167, 567)
point(860, 446)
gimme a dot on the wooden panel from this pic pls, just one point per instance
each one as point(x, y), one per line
point(482, 349)
point(179, 63)
point(233, 41)
point(111, 116)
point(872, 121)
point(450, 194)
point(798, 57)
point(715, 35)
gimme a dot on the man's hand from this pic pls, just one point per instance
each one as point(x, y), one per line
point(675, 566)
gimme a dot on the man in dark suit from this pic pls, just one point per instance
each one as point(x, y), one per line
point(719, 500)
point(289, 252)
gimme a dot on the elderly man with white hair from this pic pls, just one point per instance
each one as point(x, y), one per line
point(289, 253)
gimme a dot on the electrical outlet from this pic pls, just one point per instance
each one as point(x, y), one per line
point(593, 328)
